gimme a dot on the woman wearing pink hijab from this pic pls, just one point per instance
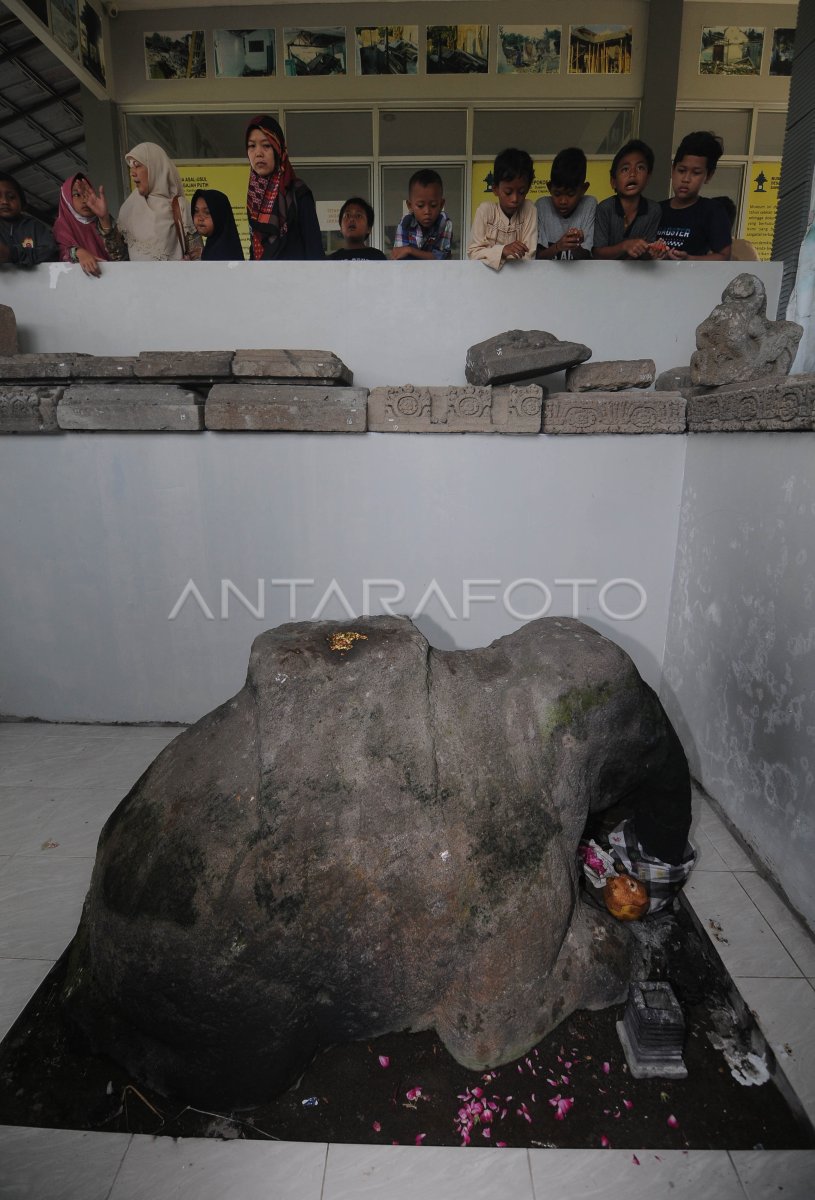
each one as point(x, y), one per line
point(77, 228)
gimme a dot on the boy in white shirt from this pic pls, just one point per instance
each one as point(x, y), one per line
point(506, 231)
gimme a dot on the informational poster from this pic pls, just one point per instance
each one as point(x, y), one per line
point(231, 180)
point(762, 202)
point(597, 174)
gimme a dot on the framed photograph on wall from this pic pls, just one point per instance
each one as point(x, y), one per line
point(240, 53)
point(91, 43)
point(64, 22)
point(457, 49)
point(781, 53)
point(320, 51)
point(600, 49)
point(175, 54)
point(387, 49)
point(529, 49)
point(731, 50)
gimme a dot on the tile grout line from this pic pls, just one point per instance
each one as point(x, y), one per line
point(738, 1176)
point(119, 1168)
point(325, 1170)
point(775, 933)
point(531, 1176)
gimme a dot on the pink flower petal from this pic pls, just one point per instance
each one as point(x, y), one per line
point(500, 1143)
point(414, 1093)
point(384, 1061)
point(486, 1132)
point(420, 1137)
point(628, 1103)
point(377, 1128)
point(672, 1122)
point(606, 1068)
point(604, 1142)
point(635, 1160)
point(478, 1092)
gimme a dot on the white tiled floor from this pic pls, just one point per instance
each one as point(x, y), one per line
point(58, 784)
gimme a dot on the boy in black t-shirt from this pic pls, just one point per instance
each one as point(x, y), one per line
point(693, 226)
point(356, 222)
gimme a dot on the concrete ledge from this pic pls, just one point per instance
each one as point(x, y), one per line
point(278, 407)
point(135, 406)
point(29, 409)
point(766, 406)
point(614, 412)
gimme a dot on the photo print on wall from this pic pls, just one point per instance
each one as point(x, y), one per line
point(781, 54)
point(320, 51)
point(731, 50)
point(528, 49)
point(387, 49)
point(600, 49)
point(243, 52)
point(457, 49)
point(175, 54)
point(65, 24)
point(91, 44)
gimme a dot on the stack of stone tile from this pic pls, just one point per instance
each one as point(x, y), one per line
point(611, 397)
point(737, 380)
point(287, 390)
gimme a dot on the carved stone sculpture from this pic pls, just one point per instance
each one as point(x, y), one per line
point(372, 835)
point(737, 343)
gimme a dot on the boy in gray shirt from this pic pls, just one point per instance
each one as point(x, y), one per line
point(626, 224)
point(566, 215)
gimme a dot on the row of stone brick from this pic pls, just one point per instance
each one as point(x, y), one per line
point(769, 405)
point(196, 368)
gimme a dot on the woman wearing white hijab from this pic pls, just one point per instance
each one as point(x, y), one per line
point(155, 219)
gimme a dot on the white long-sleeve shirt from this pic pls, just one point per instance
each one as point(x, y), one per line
point(492, 230)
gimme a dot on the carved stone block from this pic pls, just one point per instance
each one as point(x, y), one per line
point(412, 409)
point(40, 366)
point(130, 406)
point(184, 364)
point(737, 343)
point(106, 367)
point(286, 366)
point(8, 330)
point(521, 354)
point(270, 407)
point(612, 376)
point(768, 405)
point(29, 409)
point(614, 412)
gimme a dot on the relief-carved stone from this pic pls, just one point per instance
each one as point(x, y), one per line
point(412, 409)
point(766, 406)
point(400, 409)
point(463, 409)
point(737, 343)
point(517, 408)
point(25, 409)
point(614, 412)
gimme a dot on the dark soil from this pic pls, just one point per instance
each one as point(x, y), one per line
point(348, 1095)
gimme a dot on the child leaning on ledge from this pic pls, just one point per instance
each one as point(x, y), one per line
point(566, 215)
point(24, 240)
point(694, 226)
point(626, 223)
point(425, 231)
point(508, 230)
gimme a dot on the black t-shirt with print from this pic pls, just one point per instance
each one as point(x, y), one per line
point(699, 229)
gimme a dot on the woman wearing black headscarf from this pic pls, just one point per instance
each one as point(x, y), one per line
point(213, 218)
point(281, 210)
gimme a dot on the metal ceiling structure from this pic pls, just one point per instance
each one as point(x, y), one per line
point(42, 135)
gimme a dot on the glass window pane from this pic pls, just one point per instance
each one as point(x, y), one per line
point(344, 134)
point(192, 135)
point(770, 131)
point(332, 186)
point(545, 131)
point(394, 194)
point(732, 127)
point(422, 133)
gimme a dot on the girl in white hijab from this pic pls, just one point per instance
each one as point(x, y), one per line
point(155, 219)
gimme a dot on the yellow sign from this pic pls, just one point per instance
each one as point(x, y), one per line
point(762, 202)
point(597, 173)
point(231, 180)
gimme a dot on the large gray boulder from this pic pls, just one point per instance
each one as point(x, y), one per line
point(370, 836)
point(737, 343)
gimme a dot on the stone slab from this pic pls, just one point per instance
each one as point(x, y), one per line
point(614, 412)
point(520, 354)
point(106, 367)
point(130, 406)
point(8, 330)
point(675, 379)
point(278, 407)
point(40, 366)
point(737, 343)
point(321, 367)
point(615, 375)
point(766, 406)
point(415, 409)
point(184, 364)
point(26, 409)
